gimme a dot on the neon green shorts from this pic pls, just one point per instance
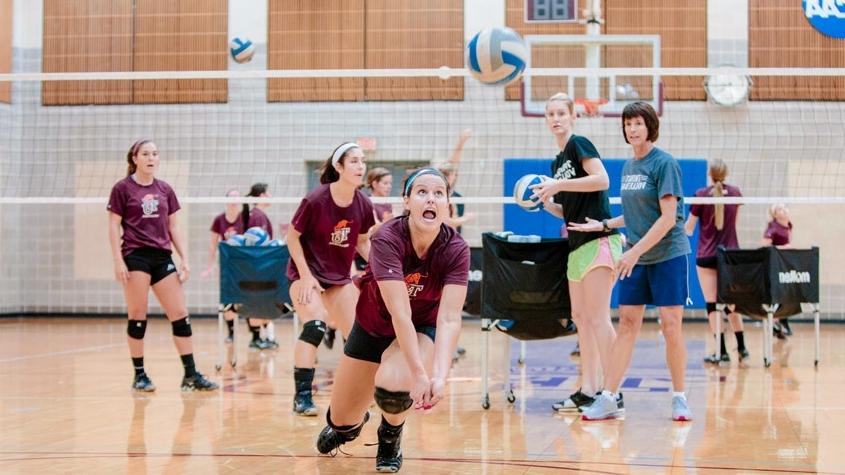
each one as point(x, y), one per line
point(601, 252)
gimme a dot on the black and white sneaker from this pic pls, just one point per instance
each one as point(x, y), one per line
point(198, 382)
point(332, 437)
point(389, 455)
point(712, 359)
point(142, 383)
point(303, 404)
point(573, 402)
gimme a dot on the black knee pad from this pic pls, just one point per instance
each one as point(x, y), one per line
point(312, 332)
point(182, 327)
point(711, 307)
point(136, 329)
point(393, 402)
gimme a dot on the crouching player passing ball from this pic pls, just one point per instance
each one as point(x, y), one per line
point(407, 322)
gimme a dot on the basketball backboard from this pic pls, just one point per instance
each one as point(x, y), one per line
point(602, 94)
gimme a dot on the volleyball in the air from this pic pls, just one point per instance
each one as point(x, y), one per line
point(236, 240)
point(522, 192)
point(242, 49)
point(496, 56)
point(255, 236)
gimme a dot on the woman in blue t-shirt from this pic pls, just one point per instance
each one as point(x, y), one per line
point(654, 269)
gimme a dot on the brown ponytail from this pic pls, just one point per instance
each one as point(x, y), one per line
point(133, 150)
point(718, 171)
point(255, 191)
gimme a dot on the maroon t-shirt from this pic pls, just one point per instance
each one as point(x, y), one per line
point(329, 234)
point(226, 229)
point(778, 233)
point(259, 218)
point(146, 211)
point(392, 257)
point(710, 238)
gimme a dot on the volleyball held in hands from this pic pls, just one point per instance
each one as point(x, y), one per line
point(496, 56)
point(522, 192)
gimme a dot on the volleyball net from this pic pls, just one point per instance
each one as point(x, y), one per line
point(64, 139)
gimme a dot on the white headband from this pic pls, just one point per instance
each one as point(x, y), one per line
point(341, 150)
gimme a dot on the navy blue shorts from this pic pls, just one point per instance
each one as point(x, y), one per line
point(664, 284)
point(155, 262)
point(363, 346)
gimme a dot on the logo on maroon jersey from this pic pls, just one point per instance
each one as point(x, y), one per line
point(340, 235)
point(229, 232)
point(149, 204)
point(412, 281)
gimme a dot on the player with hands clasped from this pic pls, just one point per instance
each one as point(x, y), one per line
point(407, 322)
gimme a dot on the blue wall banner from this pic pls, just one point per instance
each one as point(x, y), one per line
point(826, 16)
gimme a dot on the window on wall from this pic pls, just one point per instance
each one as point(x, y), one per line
point(682, 27)
point(780, 36)
point(5, 48)
point(365, 34)
point(148, 35)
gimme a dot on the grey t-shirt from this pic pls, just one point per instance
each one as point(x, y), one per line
point(644, 182)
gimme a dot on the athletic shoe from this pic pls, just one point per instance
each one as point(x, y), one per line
point(787, 330)
point(777, 330)
point(271, 344)
point(329, 337)
point(620, 404)
point(575, 402)
point(680, 409)
point(576, 351)
point(330, 439)
point(303, 404)
point(142, 383)
point(389, 455)
point(229, 339)
point(712, 359)
point(743, 354)
point(603, 407)
point(198, 382)
point(261, 345)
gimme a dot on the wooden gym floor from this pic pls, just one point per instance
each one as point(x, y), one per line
point(66, 407)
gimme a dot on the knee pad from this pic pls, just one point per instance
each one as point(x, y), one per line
point(711, 307)
point(182, 327)
point(312, 332)
point(393, 402)
point(136, 329)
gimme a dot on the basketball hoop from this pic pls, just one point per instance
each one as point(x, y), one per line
point(591, 106)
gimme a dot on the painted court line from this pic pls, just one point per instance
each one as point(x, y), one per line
point(62, 353)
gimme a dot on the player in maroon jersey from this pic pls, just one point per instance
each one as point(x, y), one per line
point(144, 208)
point(407, 322)
point(330, 225)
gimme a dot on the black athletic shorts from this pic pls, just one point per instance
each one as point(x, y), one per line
point(363, 346)
point(706, 262)
point(156, 262)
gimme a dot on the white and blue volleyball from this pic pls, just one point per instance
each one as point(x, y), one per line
point(255, 236)
point(241, 49)
point(236, 240)
point(522, 192)
point(275, 243)
point(496, 56)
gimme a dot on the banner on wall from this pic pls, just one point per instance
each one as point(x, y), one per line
point(826, 16)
